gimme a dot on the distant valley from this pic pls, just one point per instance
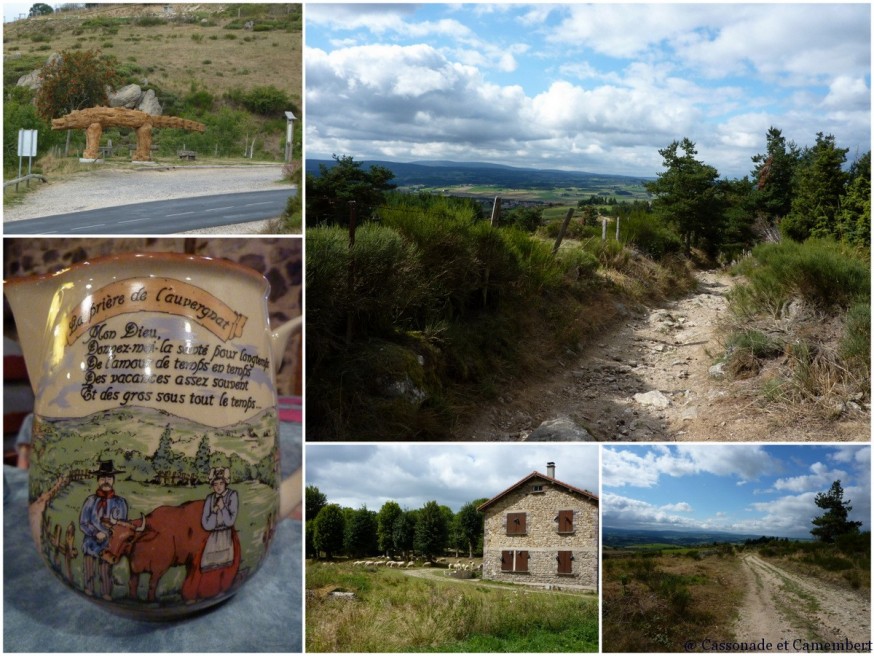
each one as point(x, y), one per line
point(476, 178)
point(623, 537)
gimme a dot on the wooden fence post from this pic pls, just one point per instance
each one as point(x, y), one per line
point(496, 211)
point(562, 230)
point(350, 282)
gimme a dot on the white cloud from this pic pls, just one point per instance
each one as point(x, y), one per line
point(614, 83)
point(627, 467)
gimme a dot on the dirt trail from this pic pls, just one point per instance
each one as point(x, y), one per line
point(781, 607)
point(650, 379)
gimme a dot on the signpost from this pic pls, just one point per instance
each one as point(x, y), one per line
point(289, 129)
point(26, 148)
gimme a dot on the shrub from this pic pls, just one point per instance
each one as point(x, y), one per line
point(823, 273)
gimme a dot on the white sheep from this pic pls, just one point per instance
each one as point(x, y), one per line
point(411, 563)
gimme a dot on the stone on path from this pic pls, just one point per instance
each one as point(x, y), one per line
point(561, 429)
point(653, 398)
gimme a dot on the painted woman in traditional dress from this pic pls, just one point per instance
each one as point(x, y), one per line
point(220, 557)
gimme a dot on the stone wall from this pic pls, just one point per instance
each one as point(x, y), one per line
point(542, 539)
point(279, 259)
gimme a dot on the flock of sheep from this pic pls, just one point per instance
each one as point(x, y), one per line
point(382, 561)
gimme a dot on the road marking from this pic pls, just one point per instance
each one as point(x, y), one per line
point(266, 202)
point(131, 221)
point(180, 214)
point(219, 209)
point(98, 225)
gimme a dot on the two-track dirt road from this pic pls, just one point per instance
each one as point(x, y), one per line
point(784, 608)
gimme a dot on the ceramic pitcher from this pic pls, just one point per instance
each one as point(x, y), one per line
point(155, 462)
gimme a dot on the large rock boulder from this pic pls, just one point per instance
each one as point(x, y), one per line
point(149, 104)
point(128, 96)
point(561, 429)
point(33, 80)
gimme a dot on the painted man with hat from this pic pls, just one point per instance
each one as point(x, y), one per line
point(103, 504)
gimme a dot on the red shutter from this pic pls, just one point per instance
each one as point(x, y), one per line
point(506, 561)
point(565, 562)
point(565, 521)
point(516, 524)
point(521, 561)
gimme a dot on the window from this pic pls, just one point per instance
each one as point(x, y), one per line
point(514, 561)
point(516, 524)
point(565, 562)
point(537, 488)
point(565, 521)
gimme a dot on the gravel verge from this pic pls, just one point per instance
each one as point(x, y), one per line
point(114, 187)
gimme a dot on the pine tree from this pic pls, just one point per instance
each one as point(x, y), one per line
point(201, 459)
point(833, 522)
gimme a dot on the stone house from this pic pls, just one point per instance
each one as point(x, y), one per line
point(542, 531)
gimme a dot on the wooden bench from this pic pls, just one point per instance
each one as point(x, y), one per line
point(187, 154)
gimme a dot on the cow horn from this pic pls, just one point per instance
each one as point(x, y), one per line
point(142, 526)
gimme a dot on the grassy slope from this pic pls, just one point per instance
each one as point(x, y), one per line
point(167, 54)
point(394, 612)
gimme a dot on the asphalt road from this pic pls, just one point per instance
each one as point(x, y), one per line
point(160, 217)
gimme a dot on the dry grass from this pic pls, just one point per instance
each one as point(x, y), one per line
point(174, 55)
point(656, 603)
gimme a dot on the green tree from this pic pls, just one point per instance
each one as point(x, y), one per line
point(819, 185)
point(75, 80)
point(773, 175)
point(686, 196)
point(40, 9)
point(833, 522)
point(329, 531)
point(432, 533)
point(389, 514)
point(470, 522)
point(855, 214)
point(360, 532)
point(404, 532)
point(314, 501)
point(328, 195)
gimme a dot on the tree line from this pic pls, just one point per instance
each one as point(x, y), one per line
point(426, 532)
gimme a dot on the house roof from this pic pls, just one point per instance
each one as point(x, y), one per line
point(535, 474)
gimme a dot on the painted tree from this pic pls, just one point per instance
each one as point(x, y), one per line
point(834, 521)
point(431, 533)
point(686, 196)
point(328, 531)
point(201, 459)
point(163, 458)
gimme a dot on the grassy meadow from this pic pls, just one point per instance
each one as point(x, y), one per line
point(395, 611)
point(655, 601)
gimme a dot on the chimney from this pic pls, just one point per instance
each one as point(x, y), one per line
point(550, 469)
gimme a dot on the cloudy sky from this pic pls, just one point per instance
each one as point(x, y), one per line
point(585, 87)
point(451, 474)
point(761, 490)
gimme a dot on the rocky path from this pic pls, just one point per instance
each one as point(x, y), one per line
point(788, 609)
point(654, 378)
point(648, 380)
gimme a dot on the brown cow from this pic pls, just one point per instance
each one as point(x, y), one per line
point(166, 537)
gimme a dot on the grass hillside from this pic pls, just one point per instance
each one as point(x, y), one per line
point(234, 67)
point(200, 44)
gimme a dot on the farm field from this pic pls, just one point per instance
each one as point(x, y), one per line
point(423, 610)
